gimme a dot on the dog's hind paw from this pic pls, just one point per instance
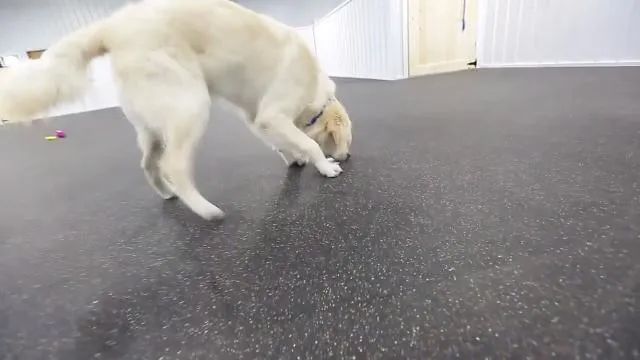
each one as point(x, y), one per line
point(211, 213)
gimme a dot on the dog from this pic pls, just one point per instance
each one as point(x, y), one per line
point(171, 59)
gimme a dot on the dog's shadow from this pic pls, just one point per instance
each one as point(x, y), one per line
point(231, 285)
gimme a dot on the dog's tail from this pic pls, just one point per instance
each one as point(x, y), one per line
point(31, 88)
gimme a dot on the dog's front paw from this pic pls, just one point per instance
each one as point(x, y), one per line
point(329, 168)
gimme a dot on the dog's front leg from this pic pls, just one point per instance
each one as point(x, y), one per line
point(292, 160)
point(280, 131)
point(288, 158)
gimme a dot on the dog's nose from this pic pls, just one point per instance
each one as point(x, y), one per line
point(341, 157)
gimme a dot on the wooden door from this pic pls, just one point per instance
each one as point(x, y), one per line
point(442, 35)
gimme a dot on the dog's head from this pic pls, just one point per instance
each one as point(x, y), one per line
point(332, 131)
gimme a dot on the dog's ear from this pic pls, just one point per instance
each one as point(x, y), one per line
point(335, 124)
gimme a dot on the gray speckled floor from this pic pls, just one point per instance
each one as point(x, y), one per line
point(484, 214)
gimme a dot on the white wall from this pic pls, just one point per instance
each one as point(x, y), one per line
point(356, 38)
point(296, 13)
point(364, 39)
point(35, 24)
point(558, 32)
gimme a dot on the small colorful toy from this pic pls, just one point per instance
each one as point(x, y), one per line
point(61, 134)
point(51, 138)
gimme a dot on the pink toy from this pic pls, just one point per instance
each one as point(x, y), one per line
point(61, 134)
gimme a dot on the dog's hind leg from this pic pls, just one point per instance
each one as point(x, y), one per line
point(170, 98)
point(152, 147)
point(182, 138)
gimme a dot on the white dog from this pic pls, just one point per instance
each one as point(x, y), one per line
point(171, 59)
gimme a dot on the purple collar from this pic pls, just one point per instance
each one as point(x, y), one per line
point(319, 115)
point(315, 118)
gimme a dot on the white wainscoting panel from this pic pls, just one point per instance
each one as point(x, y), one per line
point(558, 33)
point(364, 39)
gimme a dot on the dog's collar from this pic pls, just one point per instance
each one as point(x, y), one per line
point(319, 115)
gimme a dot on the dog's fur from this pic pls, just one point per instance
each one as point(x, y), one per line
point(171, 59)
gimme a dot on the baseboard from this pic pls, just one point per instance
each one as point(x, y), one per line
point(438, 68)
point(562, 64)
